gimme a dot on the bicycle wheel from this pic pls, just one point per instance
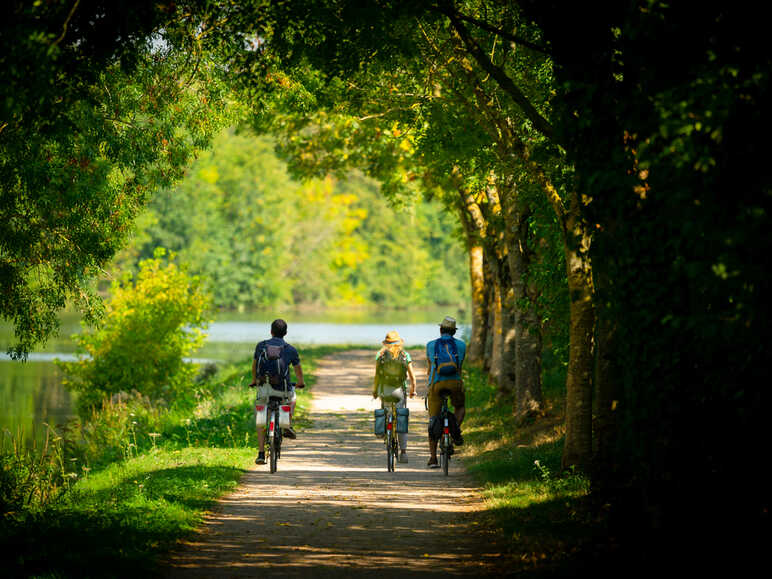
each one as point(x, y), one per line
point(274, 445)
point(389, 465)
point(445, 453)
point(394, 451)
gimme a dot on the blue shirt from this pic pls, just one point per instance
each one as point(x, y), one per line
point(460, 348)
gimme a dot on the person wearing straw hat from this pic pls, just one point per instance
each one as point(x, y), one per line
point(444, 357)
point(390, 382)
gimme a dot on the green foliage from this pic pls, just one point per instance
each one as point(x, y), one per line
point(670, 147)
point(151, 324)
point(100, 104)
point(258, 238)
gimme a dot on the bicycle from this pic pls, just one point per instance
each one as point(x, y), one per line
point(392, 443)
point(445, 440)
point(278, 405)
point(445, 444)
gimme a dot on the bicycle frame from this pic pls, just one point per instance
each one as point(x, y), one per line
point(392, 444)
point(446, 441)
point(273, 428)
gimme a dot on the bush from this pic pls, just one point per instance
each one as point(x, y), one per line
point(151, 324)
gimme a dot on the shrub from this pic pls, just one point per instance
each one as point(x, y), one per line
point(151, 324)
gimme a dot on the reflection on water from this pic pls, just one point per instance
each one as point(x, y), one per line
point(31, 396)
point(31, 392)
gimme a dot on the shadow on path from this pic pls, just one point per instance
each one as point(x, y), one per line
point(332, 509)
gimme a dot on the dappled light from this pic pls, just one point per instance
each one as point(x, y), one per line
point(333, 507)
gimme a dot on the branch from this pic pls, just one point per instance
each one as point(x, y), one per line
point(499, 32)
point(66, 23)
point(507, 84)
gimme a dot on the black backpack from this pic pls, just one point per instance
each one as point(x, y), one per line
point(270, 366)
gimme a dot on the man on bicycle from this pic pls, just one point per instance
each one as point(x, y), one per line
point(275, 372)
point(444, 357)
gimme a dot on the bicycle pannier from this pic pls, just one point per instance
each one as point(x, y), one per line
point(380, 421)
point(260, 415)
point(403, 415)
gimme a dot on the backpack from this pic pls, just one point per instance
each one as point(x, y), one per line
point(269, 365)
point(392, 371)
point(446, 362)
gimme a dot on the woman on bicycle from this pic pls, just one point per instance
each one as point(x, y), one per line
point(393, 370)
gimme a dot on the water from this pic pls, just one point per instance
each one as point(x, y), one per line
point(32, 394)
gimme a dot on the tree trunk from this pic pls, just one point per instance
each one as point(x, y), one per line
point(475, 227)
point(508, 335)
point(496, 250)
point(529, 401)
point(526, 328)
point(577, 450)
point(493, 342)
point(476, 348)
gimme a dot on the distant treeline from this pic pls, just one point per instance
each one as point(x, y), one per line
point(259, 238)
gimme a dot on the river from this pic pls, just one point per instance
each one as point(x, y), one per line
point(32, 394)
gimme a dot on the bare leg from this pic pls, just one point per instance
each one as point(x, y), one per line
point(433, 448)
point(460, 413)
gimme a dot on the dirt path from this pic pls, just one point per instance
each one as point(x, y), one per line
point(332, 509)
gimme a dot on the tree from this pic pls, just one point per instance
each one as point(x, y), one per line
point(238, 219)
point(101, 103)
point(438, 95)
point(152, 323)
point(661, 146)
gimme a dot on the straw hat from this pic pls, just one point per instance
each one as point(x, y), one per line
point(449, 323)
point(392, 338)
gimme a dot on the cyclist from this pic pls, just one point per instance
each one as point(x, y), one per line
point(385, 379)
point(275, 372)
point(444, 357)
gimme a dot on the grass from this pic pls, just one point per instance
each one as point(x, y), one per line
point(170, 467)
point(539, 513)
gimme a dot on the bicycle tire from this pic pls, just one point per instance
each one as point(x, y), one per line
point(389, 465)
point(274, 446)
point(445, 454)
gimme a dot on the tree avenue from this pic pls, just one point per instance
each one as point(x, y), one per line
point(613, 201)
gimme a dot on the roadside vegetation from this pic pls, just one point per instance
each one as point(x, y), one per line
point(106, 497)
point(541, 516)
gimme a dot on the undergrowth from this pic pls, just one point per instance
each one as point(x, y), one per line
point(540, 513)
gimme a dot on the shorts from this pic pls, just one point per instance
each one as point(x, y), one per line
point(457, 395)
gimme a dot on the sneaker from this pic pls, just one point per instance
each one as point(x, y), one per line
point(403, 457)
point(260, 458)
point(458, 440)
point(289, 433)
point(433, 463)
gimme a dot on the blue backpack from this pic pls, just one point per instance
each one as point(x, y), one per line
point(446, 362)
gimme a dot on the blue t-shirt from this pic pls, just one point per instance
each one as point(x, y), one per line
point(288, 356)
point(460, 349)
